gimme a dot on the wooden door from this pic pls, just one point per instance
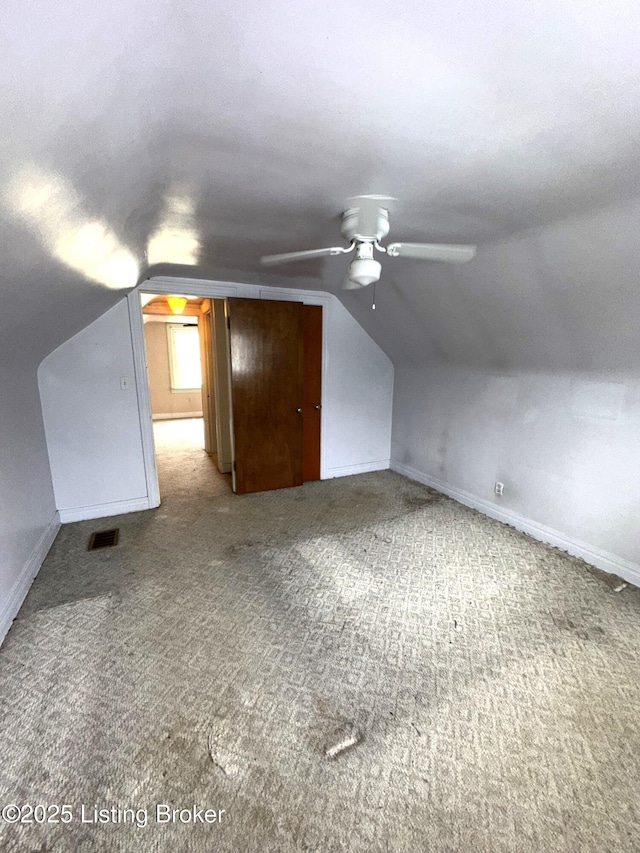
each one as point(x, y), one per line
point(312, 325)
point(266, 341)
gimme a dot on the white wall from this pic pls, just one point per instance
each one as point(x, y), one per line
point(527, 371)
point(357, 398)
point(566, 446)
point(28, 518)
point(93, 427)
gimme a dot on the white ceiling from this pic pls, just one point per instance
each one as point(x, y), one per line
point(206, 134)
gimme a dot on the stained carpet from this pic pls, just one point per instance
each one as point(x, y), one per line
point(211, 657)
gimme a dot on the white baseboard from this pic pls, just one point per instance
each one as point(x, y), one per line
point(362, 468)
point(179, 416)
point(19, 591)
point(83, 513)
point(604, 560)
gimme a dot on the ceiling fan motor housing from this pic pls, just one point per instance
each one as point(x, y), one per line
point(351, 224)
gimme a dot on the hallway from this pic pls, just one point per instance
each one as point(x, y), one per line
point(185, 470)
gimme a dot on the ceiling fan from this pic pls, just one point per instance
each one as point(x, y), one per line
point(364, 224)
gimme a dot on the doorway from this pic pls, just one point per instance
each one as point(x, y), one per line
point(221, 377)
point(178, 369)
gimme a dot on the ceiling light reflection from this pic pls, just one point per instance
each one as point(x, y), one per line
point(52, 208)
point(175, 240)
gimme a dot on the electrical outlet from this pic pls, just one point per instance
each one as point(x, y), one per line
point(499, 487)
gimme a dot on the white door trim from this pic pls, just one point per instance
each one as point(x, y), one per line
point(136, 324)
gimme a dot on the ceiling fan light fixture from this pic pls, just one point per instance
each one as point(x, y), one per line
point(364, 271)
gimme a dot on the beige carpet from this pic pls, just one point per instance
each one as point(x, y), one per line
point(212, 655)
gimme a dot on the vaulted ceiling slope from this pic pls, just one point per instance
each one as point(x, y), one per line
point(563, 297)
point(194, 136)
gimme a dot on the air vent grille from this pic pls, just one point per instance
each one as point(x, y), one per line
point(103, 539)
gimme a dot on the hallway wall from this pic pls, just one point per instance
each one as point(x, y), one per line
point(165, 402)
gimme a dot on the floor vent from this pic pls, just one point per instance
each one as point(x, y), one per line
point(103, 539)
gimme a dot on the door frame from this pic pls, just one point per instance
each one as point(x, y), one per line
point(209, 290)
point(209, 408)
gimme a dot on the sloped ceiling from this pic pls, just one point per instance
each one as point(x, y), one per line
point(192, 137)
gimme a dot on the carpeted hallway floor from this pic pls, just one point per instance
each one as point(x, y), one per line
point(209, 658)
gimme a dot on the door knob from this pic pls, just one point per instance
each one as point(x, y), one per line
point(318, 407)
point(299, 411)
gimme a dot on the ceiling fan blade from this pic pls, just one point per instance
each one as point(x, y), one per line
point(448, 252)
point(288, 257)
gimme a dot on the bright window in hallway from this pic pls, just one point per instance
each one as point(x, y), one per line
point(184, 357)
